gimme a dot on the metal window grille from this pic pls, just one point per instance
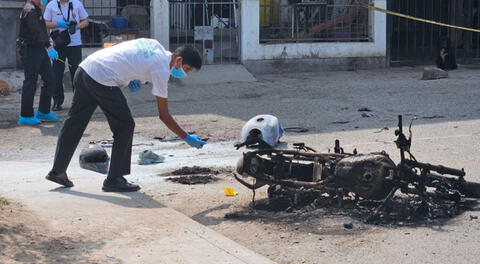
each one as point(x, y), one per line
point(415, 43)
point(211, 26)
point(313, 21)
point(115, 21)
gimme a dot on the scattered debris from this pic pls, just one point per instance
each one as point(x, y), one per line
point(167, 138)
point(367, 114)
point(434, 73)
point(192, 179)
point(296, 129)
point(149, 157)
point(433, 117)
point(473, 217)
point(340, 122)
point(108, 143)
point(400, 211)
point(383, 129)
point(364, 109)
point(142, 144)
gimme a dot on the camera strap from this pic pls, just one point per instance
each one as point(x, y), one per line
point(70, 7)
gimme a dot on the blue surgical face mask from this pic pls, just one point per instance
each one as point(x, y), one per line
point(178, 73)
point(44, 2)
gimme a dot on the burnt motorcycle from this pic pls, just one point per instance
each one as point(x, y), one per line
point(372, 176)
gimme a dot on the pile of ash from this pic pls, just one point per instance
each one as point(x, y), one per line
point(401, 210)
point(195, 175)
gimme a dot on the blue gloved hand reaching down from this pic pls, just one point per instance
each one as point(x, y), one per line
point(194, 141)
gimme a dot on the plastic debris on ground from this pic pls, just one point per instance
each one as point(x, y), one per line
point(94, 158)
point(148, 157)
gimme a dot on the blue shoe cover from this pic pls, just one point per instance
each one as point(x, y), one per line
point(28, 121)
point(46, 117)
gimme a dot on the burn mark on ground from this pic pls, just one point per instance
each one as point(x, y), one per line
point(400, 211)
point(196, 175)
point(193, 179)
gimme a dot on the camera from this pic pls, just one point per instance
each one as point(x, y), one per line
point(72, 27)
point(21, 45)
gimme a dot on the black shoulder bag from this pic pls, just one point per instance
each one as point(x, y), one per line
point(62, 38)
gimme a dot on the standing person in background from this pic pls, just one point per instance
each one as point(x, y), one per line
point(36, 51)
point(66, 15)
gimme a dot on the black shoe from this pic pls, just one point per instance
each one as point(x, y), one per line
point(57, 107)
point(119, 184)
point(60, 178)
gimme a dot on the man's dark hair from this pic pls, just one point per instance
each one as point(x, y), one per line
point(190, 55)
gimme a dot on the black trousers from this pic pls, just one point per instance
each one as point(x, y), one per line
point(71, 55)
point(87, 96)
point(35, 62)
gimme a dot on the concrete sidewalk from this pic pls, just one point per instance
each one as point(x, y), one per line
point(135, 228)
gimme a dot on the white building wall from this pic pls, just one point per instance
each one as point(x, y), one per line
point(252, 49)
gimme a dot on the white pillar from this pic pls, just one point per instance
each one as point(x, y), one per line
point(250, 28)
point(380, 26)
point(160, 22)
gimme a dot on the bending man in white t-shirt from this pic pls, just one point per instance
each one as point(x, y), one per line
point(97, 83)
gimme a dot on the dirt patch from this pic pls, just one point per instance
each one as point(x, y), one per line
point(26, 239)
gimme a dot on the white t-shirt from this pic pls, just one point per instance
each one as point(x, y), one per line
point(142, 59)
point(53, 14)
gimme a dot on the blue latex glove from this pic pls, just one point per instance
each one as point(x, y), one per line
point(194, 141)
point(135, 85)
point(52, 53)
point(62, 24)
